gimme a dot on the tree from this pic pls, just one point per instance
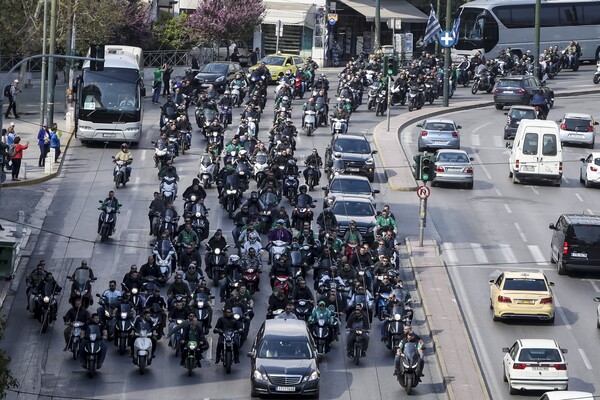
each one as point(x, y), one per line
point(218, 21)
point(137, 30)
point(172, 33)
point(7, 381)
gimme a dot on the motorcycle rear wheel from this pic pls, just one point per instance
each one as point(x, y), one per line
point(596, 79)
point(104, 233)
point(205, 183)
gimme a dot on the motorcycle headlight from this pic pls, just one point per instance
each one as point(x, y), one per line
point(201, 304)
point(397, 317)
point(46, 299)
point(359, 332)
point(134, 291)
point(193, 198)
point(312, 377)
point(229, 191)
point(198, 215)
point(192, 345)
point(179, 321)
point(217, 251)
point(321, 322)
point(93, 336)
point(106, 314)
point(236, 316)
point(369, 161)
point(406, 365)
point(259, 376)
point(123, 315)
point(241, 173)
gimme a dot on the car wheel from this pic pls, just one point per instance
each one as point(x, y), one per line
point(551, 320)
point(434, 184)
point(371, 178)
point(495, 317)
point(491, 305)
point(581, 177)
point(561, 268)
point(558, 182)
point(470, 185)
point(510, 174)
point(504, 378)
point(587, 183)
point(499, 107)
point(506, 136)
point(514, 178)
point(598, 323)
point(420, 149)
point(551, 101)
point(552, 259)
point(253, 392)
point(591, 145)
point(511, 389)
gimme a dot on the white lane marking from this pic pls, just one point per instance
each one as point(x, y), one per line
point(565, 180)
point(450, 253)
point(589, 211)
point(534, 190)
point(482, 167)
point(594, 286)
point(143, 156)
point(482, 126)
point(131, 239)
point(518, 228)
point(479, 253)
point(537, 255)
point(209, 351)
point(513, 267)
point(508, 254)
point(475, 142)
point(585, 359)
point(499, 193)
point(508, 210)
point(136, 183)
point(562, 315)
point(578, 197)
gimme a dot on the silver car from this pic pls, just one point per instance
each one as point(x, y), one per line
point(453, 166)
point(438, 134)
point(577, 128)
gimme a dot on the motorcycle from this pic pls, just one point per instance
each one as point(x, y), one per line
point(199, 217)
point(303, 212)
point(357, 349)
point(204, 117)
point(321, 334)
point(164, 257)
point(232, 199)
point(309, 122)
point(228, 340)
point(202, 306)
point(142, 348)
point(408, 376)
point(321, 118)
point(244, 317)
point(45, 305)
point(396, 321)
point(415, 98)
point(278, 248)
point(168, 188)
point(303, 309)
point(120, 172)
point(216, 263)
point(250, 277)
point(162, 153)
point(338, 125)
point(75, 341)
point(243, 171)
point(92, 350)
point(290, 188)
point(168, 222)
point(193, 357)
point(480, 82)
point(123, 327)
point(260, 167)
point(282, 284)
point(270, 200)
point(207, 170)
point(428, 93)
point(107, 221)
point(540, 113)
point(312, 177)
point(399, 95)
point(236, 97)
point(597, 73)
point(184, 141)
point(372, 94)
point(381, 103)
point(299, 88)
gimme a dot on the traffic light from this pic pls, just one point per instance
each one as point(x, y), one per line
point(97, 51)
point(426, 168)
point(390, 65)
point(417, 166)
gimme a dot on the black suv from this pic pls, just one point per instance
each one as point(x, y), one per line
point(519, 89)
point(575, 242)
point(284, 360)
point(514, 117)
point(355, 152)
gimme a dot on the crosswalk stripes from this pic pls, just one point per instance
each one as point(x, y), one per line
point(494, 255)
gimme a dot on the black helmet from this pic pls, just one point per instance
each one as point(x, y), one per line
point(303, 189)
point(124, 146)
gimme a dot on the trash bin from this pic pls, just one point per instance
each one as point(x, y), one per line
point(8, 255)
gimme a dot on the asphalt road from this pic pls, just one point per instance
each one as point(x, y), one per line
point(500, 226)
point(69, 236)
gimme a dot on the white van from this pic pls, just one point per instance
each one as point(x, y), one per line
point(536, 153)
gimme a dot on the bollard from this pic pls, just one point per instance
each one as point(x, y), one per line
point(48, 164)
point(24, 170)
point(20, 222)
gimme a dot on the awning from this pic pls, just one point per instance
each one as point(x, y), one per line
point(289, 13)
point(401, 9)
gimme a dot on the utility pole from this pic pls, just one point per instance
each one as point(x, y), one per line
point(52, 63)
point(447, 58)
point(377, 24)
point(44, 65)
point(536, 38)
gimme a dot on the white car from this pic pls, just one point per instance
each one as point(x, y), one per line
point(589, 173)
point(535, 364)
point(597, 300)
point(577, 128)
point(567, 395)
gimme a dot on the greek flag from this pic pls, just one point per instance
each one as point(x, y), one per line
point(455, 31)
point(433, 30)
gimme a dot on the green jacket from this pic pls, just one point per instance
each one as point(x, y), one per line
point(389, 221)
point(186, 237)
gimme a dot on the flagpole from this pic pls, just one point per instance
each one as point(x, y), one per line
point(377, 24)
point(447, 58)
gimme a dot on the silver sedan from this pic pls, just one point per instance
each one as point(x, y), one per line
point(438, 134)
point(453, 166)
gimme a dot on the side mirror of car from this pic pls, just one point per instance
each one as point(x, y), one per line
point(376, 191)
point(552, 226)
point(491, 281)
point(582, 159)
point(505, 349)
point(505, 113)
point(597, 299)
point(458, 126)
point(324, 187)
point(143, 92)
point(551, 283)
point(374, 151)
point(251, 354)
point(564, 351)
point(471, 159)
point(100, 201)
point(509, 145)
point(419, 125)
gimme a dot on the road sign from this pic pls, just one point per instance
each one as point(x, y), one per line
point(423, 192)
point(332, 18)
point(447, 39)
point(279, 29)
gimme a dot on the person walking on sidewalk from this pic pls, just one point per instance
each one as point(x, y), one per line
point(12, 99)
point(156, 85)
point(17, 158)
point(44, 144)
point(55, 141)
point(166, 77)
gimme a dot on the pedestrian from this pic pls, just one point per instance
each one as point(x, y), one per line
point(167, 71)
point(156, 84)
point(17, 157)
point(55, 141)
point(254, 56)
point(10, 134)
point(44, 144)
point(12, 99)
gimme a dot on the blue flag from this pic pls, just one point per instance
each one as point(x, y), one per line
point(433, 30)
point(455, 31)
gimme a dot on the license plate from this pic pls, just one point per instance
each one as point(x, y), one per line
point(540, 368)
point(454, 169)
point(439, 141)
point(109, 134)
point(527, 168)
point(353, 169)
point(525, 301)
point(285, 389)
point(575, 135)
point(508, 91)
point(578, 254)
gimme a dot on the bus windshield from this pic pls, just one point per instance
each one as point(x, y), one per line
point(478, 30)
point(112, 91)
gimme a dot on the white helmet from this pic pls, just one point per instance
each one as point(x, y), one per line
point(234, 258)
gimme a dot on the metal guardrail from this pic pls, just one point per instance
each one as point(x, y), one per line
point(6, 63)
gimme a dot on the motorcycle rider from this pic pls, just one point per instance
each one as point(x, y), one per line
point(189, 257)
point(178, 312)
point(193, 332)
point(309, 105)
point(110, 201)
point(288, 312)
point(132, 279)
point(156, 298)
point(252, 260)
point(572, 54)
point(315, 162)
point(94, 320)
point(539, 100)
point(227, 323)
point(385, 285)
point(216, 241)
point(225, 101)
point(357, 320)
point(157, 205)
point(385, 222)
point(34, 278)
point(48, 278)
point(290, 131)
point(301, 291)
point(356, 298)
point(250, 241)
point(411, 337)
point(341, 113)
point(352, 235)
point(168, 110)
point(277, 301)
point(194, 188)
point(233, 271)
point(322, 312)
point(168, 170)
point(77, 313)
point(178, 288)
point(329, 278)
point(307, 199)
point(241, 83)
point(400, 88)
point(126, 156)
point(150, 269)
point(187, 236)
point(280, 233)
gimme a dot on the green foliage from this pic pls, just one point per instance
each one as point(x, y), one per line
point(7, 381)
point(172, 33)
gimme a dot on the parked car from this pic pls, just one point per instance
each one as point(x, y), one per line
point(278, 64)
point(535, 364)
point(575, 242)
point(284, 360)
point(218, 74)
point(519, 89)
point(577, 128)
point(438, 134)
point(567, 395)
point(453, 166)
point(514, 117)
point(522, 295)
point(355, 153)
point(350, 185)
point(589, 171)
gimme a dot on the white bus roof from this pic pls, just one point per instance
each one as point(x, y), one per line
point(117, 56)
point(487, 4)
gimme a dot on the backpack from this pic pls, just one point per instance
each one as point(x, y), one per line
point(12, 150)
point(7, 91)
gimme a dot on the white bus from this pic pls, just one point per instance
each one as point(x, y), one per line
point(493, 25)
point(109, 102)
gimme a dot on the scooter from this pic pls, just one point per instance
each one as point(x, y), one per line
point(123, 327)
point(321, 335)
point(338, 125)
point(120, 172)
point(163, 255)
point(107, 221)
point(142, 349)
point(228, 339)
point(91, 351)
point(45, 305)
point(207, 170)
point(381, 103)
point(309, 122)
point(357, 349)
point(168, 188)
point(408, 376)
point(216, 263)
point(597, 73)
point(75, 340)
point(202, 305)
point(193, 357)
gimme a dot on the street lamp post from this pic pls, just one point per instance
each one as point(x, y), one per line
point(447, 58)
point(377, 24)
point(52, 63)
point(536, 38)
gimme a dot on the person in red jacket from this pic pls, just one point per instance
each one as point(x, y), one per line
point(17, 158)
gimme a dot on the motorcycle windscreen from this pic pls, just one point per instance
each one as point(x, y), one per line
point(48, 289)
point(232, 181)
point(410, 352)
point(304, 201)
point(206, 160)
point(296, 257)
point(163, 248)
point(269, 199)
point(81, 276)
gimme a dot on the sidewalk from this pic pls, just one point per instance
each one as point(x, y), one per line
point(27, 127)
point(451, 343)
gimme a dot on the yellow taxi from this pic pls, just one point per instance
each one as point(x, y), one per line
point(522, 295)
point(278, 64)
